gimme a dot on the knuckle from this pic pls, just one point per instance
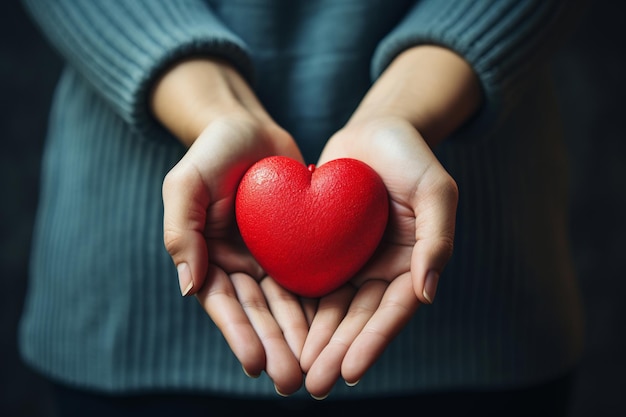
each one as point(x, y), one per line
point(446, 247)
point(448, 188)
point(172, 240)
point(172, 180)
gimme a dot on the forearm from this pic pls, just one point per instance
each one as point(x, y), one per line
point(429, 86)
point(504, 41)
point(194, 92)
point(120, 47)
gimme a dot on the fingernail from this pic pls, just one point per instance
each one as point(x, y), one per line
point(351, 384)
point(249, 375)
point(184, 278)
point(320, 398)
point(278, 391)
point(430, 285)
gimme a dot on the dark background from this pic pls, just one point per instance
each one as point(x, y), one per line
point(590, 81)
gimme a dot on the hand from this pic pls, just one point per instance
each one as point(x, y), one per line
point(426, 90)
point(264, 325)
point(354, 325)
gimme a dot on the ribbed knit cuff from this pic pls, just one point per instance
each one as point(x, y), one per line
point(122, 46)
point(498, 38)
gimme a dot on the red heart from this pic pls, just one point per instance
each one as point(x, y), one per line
point(311, 229)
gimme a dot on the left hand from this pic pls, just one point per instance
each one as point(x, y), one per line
point(353, 325)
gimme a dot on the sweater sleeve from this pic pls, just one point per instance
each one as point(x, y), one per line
point(502, 40)
point(121, 46)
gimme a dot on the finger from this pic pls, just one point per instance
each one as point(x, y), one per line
point(396, 308)
point(326, 368)
point(219, 299)
point(387, 263)
point(280, 363)
point(185, 201)
point(330, 311)
point(288, 313)
point(427, 263)
point(309, 306)
point(435, 216)
point(234, 258)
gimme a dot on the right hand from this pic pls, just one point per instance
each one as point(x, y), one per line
point(264, 325)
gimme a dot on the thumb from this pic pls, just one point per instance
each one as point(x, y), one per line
point(434, 233)
point(185, 201)
point(427, 263)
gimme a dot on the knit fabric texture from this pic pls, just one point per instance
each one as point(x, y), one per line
point(104, 310)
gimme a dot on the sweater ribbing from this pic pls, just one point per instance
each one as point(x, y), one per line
point(104, 310)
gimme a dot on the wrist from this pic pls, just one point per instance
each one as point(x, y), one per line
point(195, 92)
point(431, 87)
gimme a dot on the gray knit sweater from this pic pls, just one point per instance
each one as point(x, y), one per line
point(104, 310)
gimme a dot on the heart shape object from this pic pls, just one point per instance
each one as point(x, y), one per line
point(310, 228)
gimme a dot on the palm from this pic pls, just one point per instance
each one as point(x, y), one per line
point(354, 325)
point(263, 324)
